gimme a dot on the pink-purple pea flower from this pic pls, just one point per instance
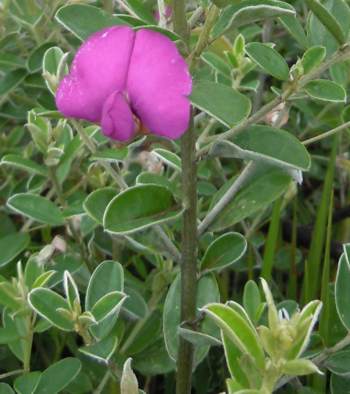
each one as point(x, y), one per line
point(120, 77)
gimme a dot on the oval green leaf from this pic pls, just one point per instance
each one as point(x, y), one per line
point(55, 378)
point(342, 289)
point(46, 303)
point(27, 383)
point(327, 20)
point(325, 90)
point(103, 350)
point(265, 187)
point(235, 327)
point(223, 103)
point(339, 363)
point(140, 207)
point(37, 208)
point(313, 57)
point(22, 163)
point(223, 252)
point(11, 246)
point(96, 203)
point(108, 277)
point(246, 12)
point(83, 20)
point(268, 59)
point(268, 145)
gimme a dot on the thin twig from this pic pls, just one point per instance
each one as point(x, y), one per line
point(8, 374)
point(327, 134)
point(227, 197)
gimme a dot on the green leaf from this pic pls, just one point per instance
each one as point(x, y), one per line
point(198, 338)
point(6, 389)
point(111, 154)
point(139, 207)
point(340, 384)
point(236, 328)
point(11, 246)
point(141, 10)
point(135, 305)
point(224, 3)
point(83, 20)
point(145, 178)
point(9, 296)
point(11, 80)
point(7, 335)
point(47, 304)
point(33, 270)
point(169, 158)
point(223, 103)
point(27, 383)
point(342, 288)
point(168, 33)
point(266, 186)
point(71, 291)
point(107, 305)
point(224, 251)
point(252, 301)
point(16, 324)
point(207, 292)
point(35, 60)
point(313, 57)
point(43, 279)
point(268, 59)
point(217, 63)
point(52, 59)
point(22, 163)
point(128, 383)
point(307, 320)
point(295, 28)
point(300, 367)
point(154, 360)
point(268, 145)
point(11, 60)
point(55, 378)
point(37, 208)
point(339, 363)
point(151, 323)
point(247, 12)
point(107, 277)
point(325, 90)
point(327, 19)
point(96, 203)
point(103, 350)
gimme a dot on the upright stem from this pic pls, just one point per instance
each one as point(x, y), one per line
point(189, 230)
point(188, 258)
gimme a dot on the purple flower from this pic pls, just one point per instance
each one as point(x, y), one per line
point(118, 75)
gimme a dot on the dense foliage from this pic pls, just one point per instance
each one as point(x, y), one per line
point(219, 261)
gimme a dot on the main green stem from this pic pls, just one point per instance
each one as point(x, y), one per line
point(189, 230)
point(188, 258)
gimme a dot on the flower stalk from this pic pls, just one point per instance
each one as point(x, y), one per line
point(189, 229)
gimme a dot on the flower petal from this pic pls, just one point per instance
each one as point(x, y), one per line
point(158, 84)
point(117, 119)
point(99, 68)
